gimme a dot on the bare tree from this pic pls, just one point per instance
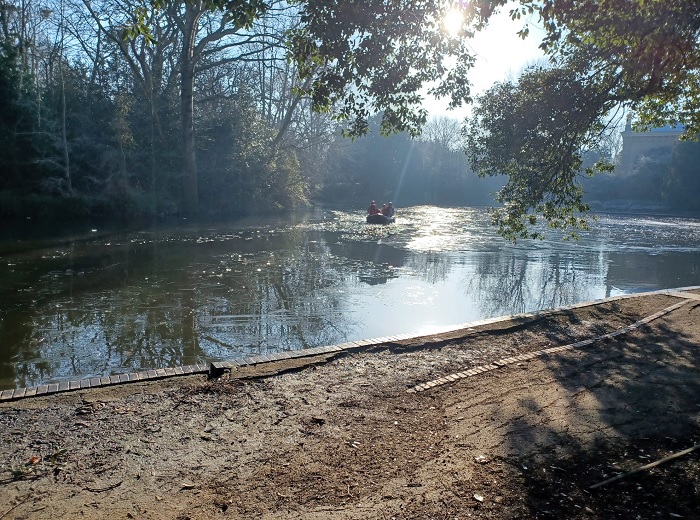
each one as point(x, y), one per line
point(190, 41)
point(444, 130)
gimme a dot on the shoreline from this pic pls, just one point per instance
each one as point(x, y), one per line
point(216, 369)
point(342, 436)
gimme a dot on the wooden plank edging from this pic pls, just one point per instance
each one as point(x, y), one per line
point(543, 352)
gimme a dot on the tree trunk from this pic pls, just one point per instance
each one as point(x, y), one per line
point(64, 132)
point(187, 63)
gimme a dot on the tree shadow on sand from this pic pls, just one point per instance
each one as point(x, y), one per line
point(611, 407)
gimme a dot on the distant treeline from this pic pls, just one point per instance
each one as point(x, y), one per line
point(661, 180)
point(431, 170)
point(95, 124)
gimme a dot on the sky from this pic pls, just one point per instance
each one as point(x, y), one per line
point(500, 53)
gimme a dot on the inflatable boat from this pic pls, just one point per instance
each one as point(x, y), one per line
point(380, 219)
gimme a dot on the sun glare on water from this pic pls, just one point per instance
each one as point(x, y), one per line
point(452, 23)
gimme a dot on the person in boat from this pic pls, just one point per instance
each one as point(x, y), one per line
point(373, 209)
point(388, 210)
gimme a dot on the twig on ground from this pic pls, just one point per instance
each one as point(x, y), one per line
point(108, 488)
point(25, 499)
point(645, 467)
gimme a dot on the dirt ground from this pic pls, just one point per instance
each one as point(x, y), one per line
point(342, 438)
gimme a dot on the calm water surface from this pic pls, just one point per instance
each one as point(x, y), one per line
point(104, 304)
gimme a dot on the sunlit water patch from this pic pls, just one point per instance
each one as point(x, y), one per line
point(444, 230)
point(645, 234)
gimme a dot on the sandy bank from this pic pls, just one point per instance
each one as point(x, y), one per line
point(408, 430)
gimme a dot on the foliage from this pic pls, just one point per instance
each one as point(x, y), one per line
point(534, 132)
point(642, 54)
point(364, 57)
point(661, 179)
point(120, 129)
point(356, 58)
point(109, 116)
point(19, 142)
point(236, 12)
point(648, 49)
point(242, 173)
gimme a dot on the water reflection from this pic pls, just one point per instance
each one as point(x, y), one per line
point(132, 301)
point(521, 282)
point(431, 268)
point(385, 260)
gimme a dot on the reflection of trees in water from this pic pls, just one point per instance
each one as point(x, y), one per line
point(505, 285)
point(37, 321)
point(430, 267)
point(378, 263)
point(512, 284)
point(95, 315)
point(373, 263)
point(561, 283)
point(499, 285)
point(140, 306)
point(293, 305)
point(148, 300)
point(17, 344)
point(167, 301)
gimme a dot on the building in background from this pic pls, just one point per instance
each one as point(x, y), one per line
point(636, 145)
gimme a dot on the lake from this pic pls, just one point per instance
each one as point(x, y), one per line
point(99, 303)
